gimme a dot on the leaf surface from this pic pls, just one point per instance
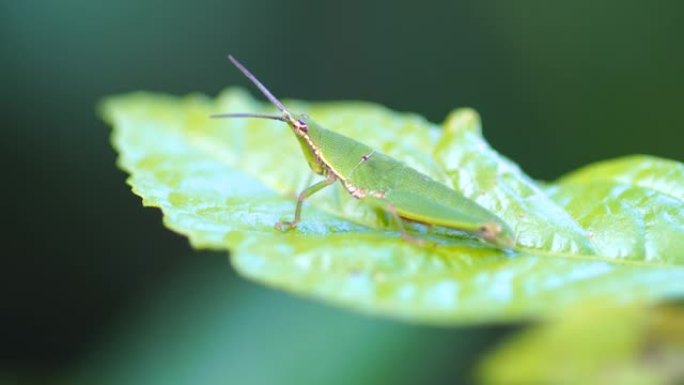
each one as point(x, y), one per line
point(225, 183)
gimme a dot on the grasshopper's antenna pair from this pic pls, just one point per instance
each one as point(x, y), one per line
point(286, 117)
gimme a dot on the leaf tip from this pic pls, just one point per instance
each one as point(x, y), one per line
point(463, 119)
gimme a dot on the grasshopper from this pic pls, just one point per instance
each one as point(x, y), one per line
point(379, 180)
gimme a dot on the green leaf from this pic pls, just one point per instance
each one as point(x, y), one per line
point(225, 183)
point(662, 175)
point(633, 207)
point(595, 344)
point(500, 186)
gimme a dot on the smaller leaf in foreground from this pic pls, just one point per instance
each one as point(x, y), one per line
point(595, 344)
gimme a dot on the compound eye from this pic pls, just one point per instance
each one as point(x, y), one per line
point(301, 126)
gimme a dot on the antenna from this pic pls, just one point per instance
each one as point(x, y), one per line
point(260, 86)
point(248, 115)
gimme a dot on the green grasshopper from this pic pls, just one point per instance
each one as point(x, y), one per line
point(379, 180)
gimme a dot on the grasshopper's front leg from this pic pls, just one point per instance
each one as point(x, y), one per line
point(307, 192)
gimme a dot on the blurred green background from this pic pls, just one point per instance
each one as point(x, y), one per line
point(96, 290)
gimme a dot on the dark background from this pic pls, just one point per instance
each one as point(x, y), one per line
point(93, 287)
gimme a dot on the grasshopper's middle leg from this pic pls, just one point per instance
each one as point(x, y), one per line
point(307, 192)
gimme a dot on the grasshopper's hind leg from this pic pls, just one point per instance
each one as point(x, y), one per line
point(400, 224)
point(307, 192)
point(388, 208)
